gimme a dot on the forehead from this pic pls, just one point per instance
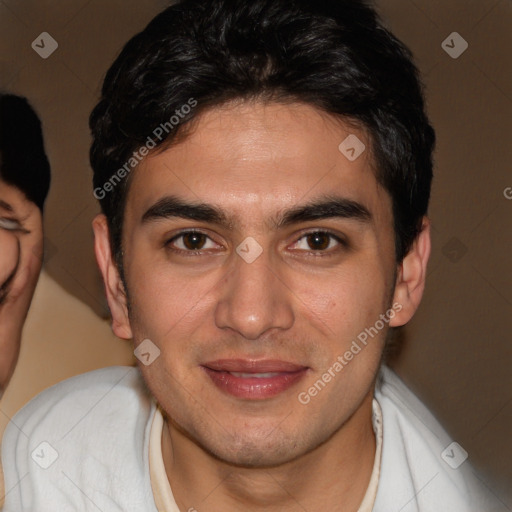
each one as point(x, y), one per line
point(261, 156)
point(13, 199)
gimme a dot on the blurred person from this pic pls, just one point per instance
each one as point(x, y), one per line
point(24, 185)
point(264, 172)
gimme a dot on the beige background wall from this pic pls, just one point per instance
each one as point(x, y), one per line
point(458, 350)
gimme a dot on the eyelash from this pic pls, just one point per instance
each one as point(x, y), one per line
point(326, 252)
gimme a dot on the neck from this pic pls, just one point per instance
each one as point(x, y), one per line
point(333, 476)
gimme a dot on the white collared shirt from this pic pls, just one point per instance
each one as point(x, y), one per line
point(94, 442)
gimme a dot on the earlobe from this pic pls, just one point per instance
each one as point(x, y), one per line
point(114, 288)
point(410, 282)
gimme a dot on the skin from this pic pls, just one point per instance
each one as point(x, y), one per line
point(10, 259)
point(21, 249)
point(296, 302)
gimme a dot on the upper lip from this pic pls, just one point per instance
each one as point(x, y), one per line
point(253, 366)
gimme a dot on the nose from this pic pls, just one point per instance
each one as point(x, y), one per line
point(254, 299)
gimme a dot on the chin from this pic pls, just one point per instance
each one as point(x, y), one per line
point(255, 452)
point(256, 458)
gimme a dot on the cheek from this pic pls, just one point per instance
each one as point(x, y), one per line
point(345, 301)
point(168, 304)
point(9, 254)
point(168, 309)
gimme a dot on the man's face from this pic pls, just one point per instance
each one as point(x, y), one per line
point(218, 315)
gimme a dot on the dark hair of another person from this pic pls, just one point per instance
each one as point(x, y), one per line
point(23, 161)
point(332, 54)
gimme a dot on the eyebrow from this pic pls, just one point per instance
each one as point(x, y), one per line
point(6, 206)
point(326, 207)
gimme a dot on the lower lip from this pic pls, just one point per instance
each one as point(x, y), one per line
point(254, 388)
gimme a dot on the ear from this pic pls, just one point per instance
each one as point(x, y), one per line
point(114, 288)
point(410, 281)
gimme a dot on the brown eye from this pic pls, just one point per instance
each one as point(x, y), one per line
point(191, 241)
point(194, 241)
point(318, 241)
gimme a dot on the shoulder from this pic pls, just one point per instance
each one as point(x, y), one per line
point(422, 467)
point(96, 397)
point(90, 431)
